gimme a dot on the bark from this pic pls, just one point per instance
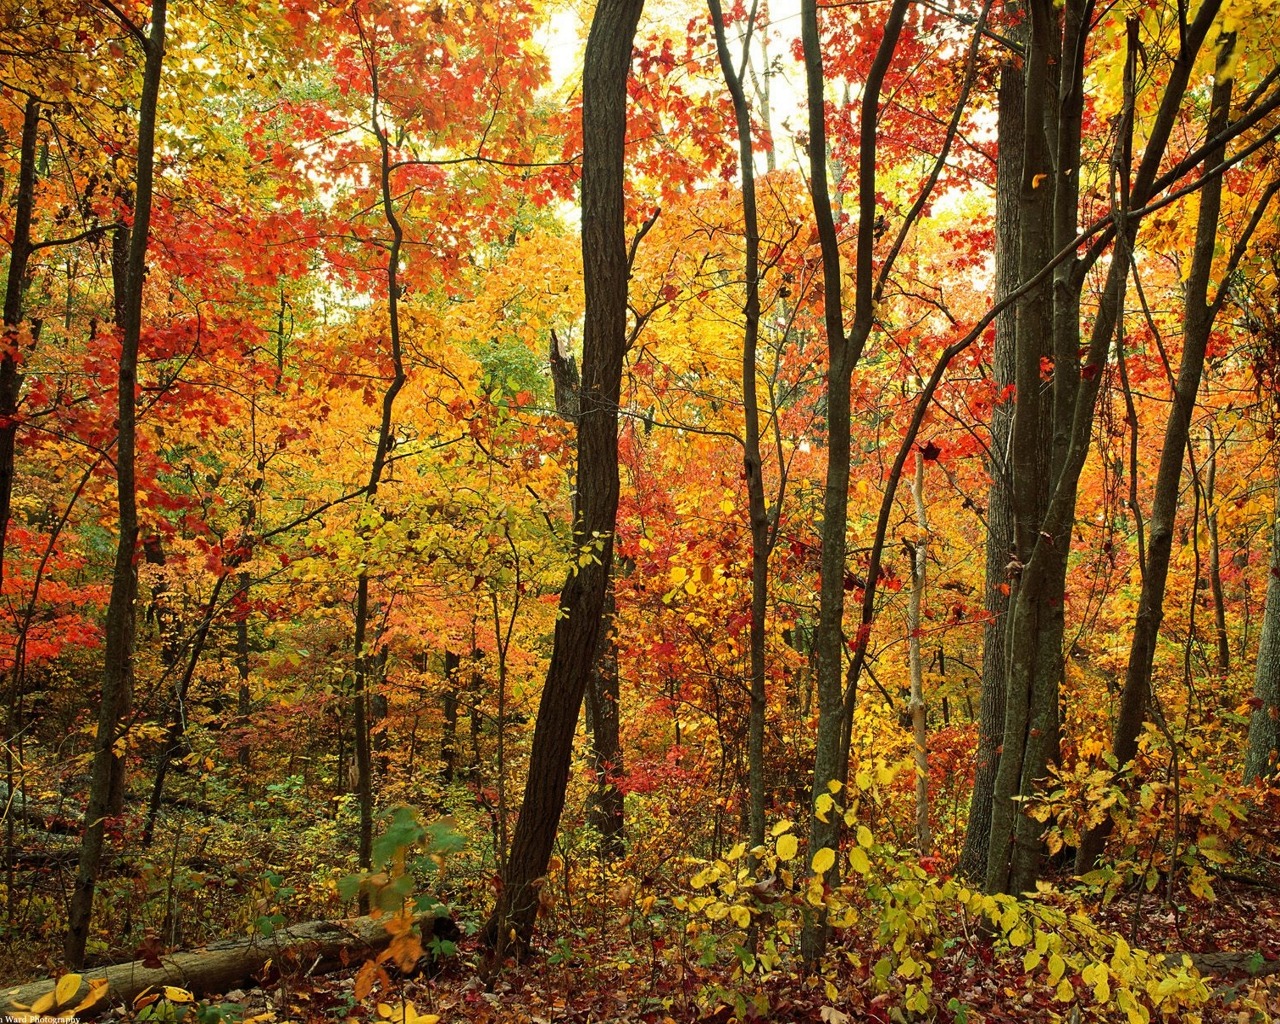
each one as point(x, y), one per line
point(606, 69)
point(1055, 56)
point(999, 544)
point(244, 704)
point(449, 739)
point(1198, 319)
point(19, 255)
point(1215, 556)
point(1263, 753)
point(366, 660)
point(119, 629)
point(605, 804)
point(843, 351)
point(761, 526)
point(312, 948)
point(919, 725)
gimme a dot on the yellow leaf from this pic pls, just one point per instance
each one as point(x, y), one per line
point(44, 1004)
point(1065, 993)
point(823, 860)
point(788, 846)
point(178, 995)
point(68, 986)
point(741, 915)
point(385, 1011)
point(858, 860)
point(97, 990)
point(783, 826)
point(1038, 179)
point(865, 838)
point(1056, 967)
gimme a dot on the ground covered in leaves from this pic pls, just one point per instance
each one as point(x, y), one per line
point(617, 974)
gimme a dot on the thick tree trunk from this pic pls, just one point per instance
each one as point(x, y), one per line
point(118, 654)
point(606, 69)
point(999, 545)
point(605, 804)
point(1198, 320)
point(1262, 757)
point(1055, 58)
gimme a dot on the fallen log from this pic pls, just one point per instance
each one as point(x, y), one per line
point(312, 947)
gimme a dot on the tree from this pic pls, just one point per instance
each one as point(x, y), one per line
point(605, 269)
point(118, 654)
point(1200, 312)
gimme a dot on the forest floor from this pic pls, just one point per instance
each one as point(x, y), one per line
point(610, 980)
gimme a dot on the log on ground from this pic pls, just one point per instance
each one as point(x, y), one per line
point(310, 948)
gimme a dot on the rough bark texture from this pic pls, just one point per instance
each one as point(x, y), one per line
point(607, 65)
point(605, 804)
point(1054, 94)
point(118, 646)
point(999, 545)
point(1264, 724)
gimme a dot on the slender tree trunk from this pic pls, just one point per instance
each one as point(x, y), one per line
point(1215, 554)
point(19, 254)
point(118, 654)
point(1198, 320)
point(244, 704)
point(843, 352)
point(762, 534)
point(606, 68)
point(366, 664)
point(999, 546)
point(449, 739)
point(919, 721)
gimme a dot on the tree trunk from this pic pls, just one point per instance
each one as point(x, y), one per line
point(606, 69)
point(1198, 320)
point(762, 529)
point(919, 722)
point(999, 544)
point(1054, 67)
point(19, 254)
point(843, 352)
point(118, 654)
point(604, 805)
point(366, 661)
point(449, 738)
point(1215, 555)
point(1263, 753)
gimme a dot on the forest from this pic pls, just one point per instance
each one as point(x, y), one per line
point(538, 510)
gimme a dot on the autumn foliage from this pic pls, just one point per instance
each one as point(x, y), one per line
point(358, 491)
